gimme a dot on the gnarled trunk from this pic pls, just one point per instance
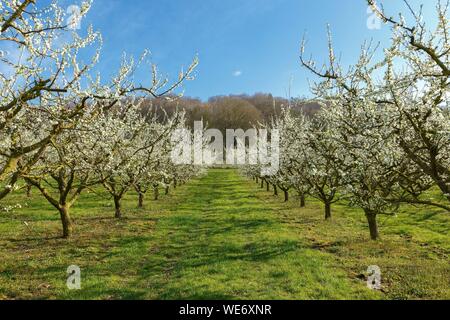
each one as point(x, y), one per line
point(66, 221)
point(373, 225)
point(302, 200)
point(156, 193)
point(166, 192)
point(286, 195)
point(141, 200)
point(262, 183)
point(327, 210)
point(118, 207)
point(275, 190)
point(267, 186)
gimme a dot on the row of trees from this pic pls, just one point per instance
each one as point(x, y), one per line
point(378, 141)
point(64, 130)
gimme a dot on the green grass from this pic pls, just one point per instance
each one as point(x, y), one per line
point(220, 237)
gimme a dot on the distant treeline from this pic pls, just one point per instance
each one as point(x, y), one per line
point(233, 111)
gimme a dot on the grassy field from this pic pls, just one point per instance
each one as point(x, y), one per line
point(220, 237)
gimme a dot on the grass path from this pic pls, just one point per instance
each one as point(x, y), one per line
point(222, 242)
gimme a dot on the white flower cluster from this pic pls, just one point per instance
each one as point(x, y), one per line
point(10, 208)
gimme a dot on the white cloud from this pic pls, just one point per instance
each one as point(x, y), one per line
point(237, 73)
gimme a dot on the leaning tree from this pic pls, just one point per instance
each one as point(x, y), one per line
point(52, 105)
point(41, 93)
point(392, 130)
point(420, 94)
point(46, 88)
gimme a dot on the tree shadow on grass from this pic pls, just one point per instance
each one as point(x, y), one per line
point(202, 260)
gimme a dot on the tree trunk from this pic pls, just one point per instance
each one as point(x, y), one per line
point(444, 186)
point(167, 190)
point(267, 186)
point(118, 207)
point(286, 195)
point(327, 210)
point(66, 221)
point(257, 180)
point(275, 190)
point(141, 200)
point(174, 183)
point(302, 200)
point(156, 193)
point(262, 183)
point(373, 226)
point(29, 187)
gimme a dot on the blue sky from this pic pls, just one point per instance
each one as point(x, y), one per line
point(244, 46)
